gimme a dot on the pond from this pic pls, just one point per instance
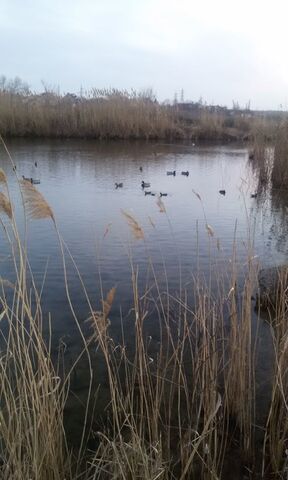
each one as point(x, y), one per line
point(193, 229)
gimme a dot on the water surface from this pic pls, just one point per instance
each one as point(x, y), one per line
point(78, 181)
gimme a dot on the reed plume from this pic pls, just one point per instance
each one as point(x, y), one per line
point(99, 319)
point(107, 303)
point(3, 178)
point(161, 205)
point(35, 204)
point(5, 205)
point(134, 226)
point(209, 230)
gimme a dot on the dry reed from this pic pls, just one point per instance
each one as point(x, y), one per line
point(134, 226)
point(5, 205)
point(34, 202)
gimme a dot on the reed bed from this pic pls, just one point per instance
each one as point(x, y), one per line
point(177, 407)
point(279, 175)
point(100, 114)
point(119, 114)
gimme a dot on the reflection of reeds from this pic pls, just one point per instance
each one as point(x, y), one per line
point(260, 158)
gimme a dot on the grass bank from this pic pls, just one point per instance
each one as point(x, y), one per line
point(182, 407)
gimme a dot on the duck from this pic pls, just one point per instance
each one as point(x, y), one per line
point(35, 181)
point(254, 195)
point(222, 192)
point(173, 172)
point(185, 173)
point(118, 185)
point(141, 169)
point(14, 168)
point(26, 178)
point(36, 164)
point(145, 184)
point(147, 193)
point(163, 194)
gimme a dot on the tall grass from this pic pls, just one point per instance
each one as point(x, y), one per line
point(279, 175)
point(120, 114)
point(176, 408)
point(100, 114)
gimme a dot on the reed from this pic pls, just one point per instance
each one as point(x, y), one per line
point(279, 174)
point(122, 114)
point(100, 114)
point(32, 396)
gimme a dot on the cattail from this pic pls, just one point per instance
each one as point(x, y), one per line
point(134, 225)
point(35, 203)
point(161, 205)
point(5, 205)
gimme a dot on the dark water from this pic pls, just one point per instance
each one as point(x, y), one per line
point(78, 181)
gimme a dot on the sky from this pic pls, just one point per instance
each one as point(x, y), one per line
point(218, 50)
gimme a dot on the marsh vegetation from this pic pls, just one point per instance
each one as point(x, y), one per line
point(122, 114)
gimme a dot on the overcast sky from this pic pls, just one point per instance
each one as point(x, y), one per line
point(220, 50)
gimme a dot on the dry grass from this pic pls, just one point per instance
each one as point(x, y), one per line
point(112, 113)
point(134, 226)
point(34, 202)
point(5, 205)
point(279, 174)
point(100, 114)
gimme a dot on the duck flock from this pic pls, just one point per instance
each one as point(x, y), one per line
point(145, 185)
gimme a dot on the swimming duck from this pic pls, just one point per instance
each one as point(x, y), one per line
point(141, 169)
point(253, 195)
point(222, 192)
point(145, 184)
point(185, 173)
point(172, 173)
point(147, 193)
point(118, 185)
point(36, 164)
point(163, 194)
